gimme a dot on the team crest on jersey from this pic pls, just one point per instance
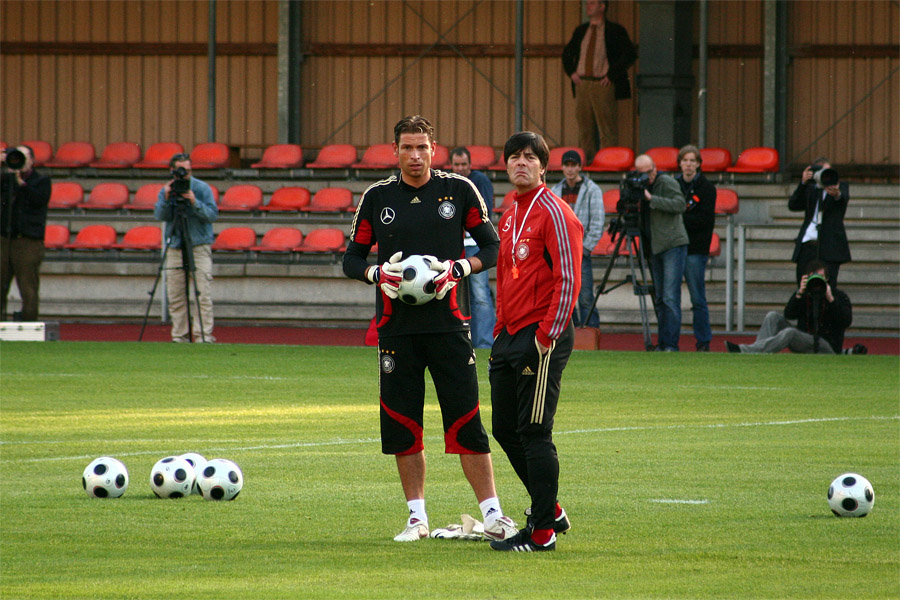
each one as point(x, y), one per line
point(447, 210)
point(387, 215)
point(522, 251)
point(387, 363)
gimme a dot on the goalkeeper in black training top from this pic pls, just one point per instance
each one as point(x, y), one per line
point(427, 212)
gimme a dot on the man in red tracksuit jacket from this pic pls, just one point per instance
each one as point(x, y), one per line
point(538, 279)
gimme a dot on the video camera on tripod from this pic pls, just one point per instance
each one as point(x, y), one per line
point(629, 207)
point(181, 185)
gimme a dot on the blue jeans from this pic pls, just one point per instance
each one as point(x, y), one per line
point(586, 311)
point(695, 276)
point(482, 303)
point(668, 271)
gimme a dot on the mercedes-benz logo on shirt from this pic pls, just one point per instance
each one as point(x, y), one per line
point(387, 215)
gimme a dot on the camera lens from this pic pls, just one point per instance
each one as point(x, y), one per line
point(15, 159)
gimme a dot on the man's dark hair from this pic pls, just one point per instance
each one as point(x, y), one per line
point(414, 124)
point(821, 161)
point(527, 139)
point(814, 266)
point(690, 149)
point(30, 151)
point(461, 151)
point(180, 157)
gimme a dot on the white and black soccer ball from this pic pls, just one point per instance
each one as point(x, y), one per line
point(220, 479)
point(105, 477)
point(851, 495)
point(417, 283)
point(172, 477)
point(198, 461)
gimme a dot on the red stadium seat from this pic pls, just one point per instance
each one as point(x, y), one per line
point(235, 239)
point(145, 197)
point(211, 155)
point(334, 156)
point(159, 155)
point(56, 236)
point(72, 155)
point(555, 162)
point(500, 165)
point(322, 240)
point(508, 200)
point(43, 151)
point(726, 201)
point(331, 199)
point(241, 198)
point(756, 160)
point(604, 245)
point(612, 159)
point(610, 199)
point(441, 158)
point(715, 245)
point(106, 196)
point(142, 237)
point(665, 158)
point(378, 156)
point(482, 157)
point(65, 195)
point(287, 199)
point(279, 239)
point(94, 237)
point(3, 145)
point(715, 160)
point(283, 156)
point(118, 155)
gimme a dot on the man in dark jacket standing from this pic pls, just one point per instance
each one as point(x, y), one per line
point(25, 195)
point(596, 59)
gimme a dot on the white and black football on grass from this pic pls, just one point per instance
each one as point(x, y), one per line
point(172, 477)
point(198, 461)
point(105, 477)
point(220, 479)
point(851, 495)
point(417, 283)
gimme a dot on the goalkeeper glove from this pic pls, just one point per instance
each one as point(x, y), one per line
point(450, 272)
point(387, 276)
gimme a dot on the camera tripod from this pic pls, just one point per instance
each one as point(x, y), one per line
point(629, 234)
point(181, 230)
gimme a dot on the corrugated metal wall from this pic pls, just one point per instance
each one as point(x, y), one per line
point(116, 70)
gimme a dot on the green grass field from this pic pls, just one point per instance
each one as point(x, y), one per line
point(753, 441)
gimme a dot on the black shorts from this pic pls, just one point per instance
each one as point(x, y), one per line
point(449, 357)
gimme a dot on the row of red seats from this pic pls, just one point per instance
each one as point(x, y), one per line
point(67, 195)
point(232, 239)
point(607, 246)
point(121, 155)
point(726, 201)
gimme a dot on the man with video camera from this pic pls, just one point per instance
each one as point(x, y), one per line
point(823, 198)
point(823, 314)
point(25, 195)
point(665, 241)
point(187, 206)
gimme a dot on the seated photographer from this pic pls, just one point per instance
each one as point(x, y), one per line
point(662, 228)
point(823, 314)
point(823, 198)
point(187, 206)
point(25, 195)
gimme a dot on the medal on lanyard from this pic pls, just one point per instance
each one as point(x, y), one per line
point(517, 235)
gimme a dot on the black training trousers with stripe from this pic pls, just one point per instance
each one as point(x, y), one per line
point(524, 394)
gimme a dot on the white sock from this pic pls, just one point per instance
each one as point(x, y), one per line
point(417, 511)
point(490, 510)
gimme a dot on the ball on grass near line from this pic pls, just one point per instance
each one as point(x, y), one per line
point(220, 479)
point(851, 495)
point(172, 477)
point(198, 462)
point(105, 477)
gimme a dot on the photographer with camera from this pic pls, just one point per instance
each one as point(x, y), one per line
point(665, 242)
point(823, 314)
point(823, 198)
point(187, 206)
point(25, 194)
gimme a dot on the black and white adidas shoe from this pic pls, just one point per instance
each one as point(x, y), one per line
point(522, 542)
point(560, 525)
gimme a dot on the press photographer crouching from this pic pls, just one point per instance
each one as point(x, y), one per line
point(823, 315)
point(663, 232)
point(187, 206)
point(25, 195)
